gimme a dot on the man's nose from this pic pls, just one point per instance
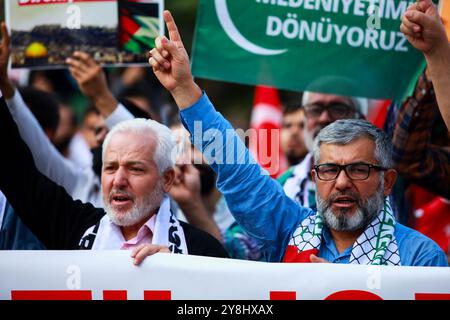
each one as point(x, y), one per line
point(324, 118)
point(296, 129)
point(343, 182)
point(120, 178)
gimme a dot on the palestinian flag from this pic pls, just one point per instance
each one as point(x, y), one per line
point(139, 25)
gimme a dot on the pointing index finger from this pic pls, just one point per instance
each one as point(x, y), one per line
point(174, 35)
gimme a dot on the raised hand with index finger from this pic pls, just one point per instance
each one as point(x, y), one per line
point(170, 63)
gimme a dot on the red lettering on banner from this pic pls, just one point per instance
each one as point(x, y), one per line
point(109, 295)
point(432, 296)
point(353, 295)
point(51, 295)
point(283, 295)
point(43, 2)
point(157, 295)
point(115, 295)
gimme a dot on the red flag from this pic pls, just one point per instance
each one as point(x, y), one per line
point(266, 124)
point(433, 220)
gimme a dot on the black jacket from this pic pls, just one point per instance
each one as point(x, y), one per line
point(45, 207)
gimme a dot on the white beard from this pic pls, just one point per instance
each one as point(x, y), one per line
point(141, 210)
point(364, 215)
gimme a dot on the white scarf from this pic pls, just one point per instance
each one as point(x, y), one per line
point(168, 232)
point(376, 245)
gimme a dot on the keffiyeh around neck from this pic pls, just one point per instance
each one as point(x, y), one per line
point(168, 232)
point(375, 246)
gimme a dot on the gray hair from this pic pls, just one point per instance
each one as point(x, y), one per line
point(164, 156)
point(343, 132)
point(360, 104)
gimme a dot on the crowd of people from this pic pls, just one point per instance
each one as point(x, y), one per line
point(117, 182)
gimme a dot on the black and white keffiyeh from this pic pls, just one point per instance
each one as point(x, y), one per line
point(375, 246)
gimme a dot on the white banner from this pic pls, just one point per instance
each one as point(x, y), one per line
point(99, 275)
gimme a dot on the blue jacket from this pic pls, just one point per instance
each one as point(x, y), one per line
point(259, 204)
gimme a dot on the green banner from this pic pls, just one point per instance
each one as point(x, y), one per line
point(347, 47)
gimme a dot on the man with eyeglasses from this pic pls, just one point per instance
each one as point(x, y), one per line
point(320, 110)
point(353, 175)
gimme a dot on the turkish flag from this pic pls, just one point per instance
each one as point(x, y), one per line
point(266, 125)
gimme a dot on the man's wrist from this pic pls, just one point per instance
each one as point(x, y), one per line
point(438, 54)
point(105, 102)
point(7, 87)
point(187, 95)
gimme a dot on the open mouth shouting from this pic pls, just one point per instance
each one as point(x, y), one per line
point(344, 201)
point(120, 199)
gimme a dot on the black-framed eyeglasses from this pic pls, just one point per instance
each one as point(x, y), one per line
point(354, 171)
point(335, 110)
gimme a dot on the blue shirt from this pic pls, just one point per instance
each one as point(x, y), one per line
point(259, 203)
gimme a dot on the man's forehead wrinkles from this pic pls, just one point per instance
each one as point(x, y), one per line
point(127, 162)
point(135, 152)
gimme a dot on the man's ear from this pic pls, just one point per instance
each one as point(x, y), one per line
point(168, 179)
point(390, 176)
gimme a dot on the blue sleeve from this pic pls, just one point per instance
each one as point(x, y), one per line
point(417, 249)
point(257, 202)
point(435, 258)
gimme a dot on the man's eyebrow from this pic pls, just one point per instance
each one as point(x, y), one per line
point(109, 162)
point(133, 163)
point(127, 163)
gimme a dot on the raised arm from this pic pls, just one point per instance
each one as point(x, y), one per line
point(416, 157)
point(91, 80)
point(45, 207)
point(48, 160)
point(424, 29)
point(257, 202)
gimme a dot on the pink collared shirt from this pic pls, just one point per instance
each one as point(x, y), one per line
point(144, 235)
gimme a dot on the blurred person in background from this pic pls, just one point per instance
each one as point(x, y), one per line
point(320, 110)
point(292, 141)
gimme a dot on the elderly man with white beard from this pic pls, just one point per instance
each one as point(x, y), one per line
point(352, 172)
point(138, 171)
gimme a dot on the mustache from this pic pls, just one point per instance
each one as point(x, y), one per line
point(120, 192)
point(348, 193)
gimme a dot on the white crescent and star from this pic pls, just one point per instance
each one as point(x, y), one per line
point(234, 34)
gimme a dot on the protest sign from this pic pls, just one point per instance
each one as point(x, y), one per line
point(348, 47)
point(102, 275)
point(45, 33)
